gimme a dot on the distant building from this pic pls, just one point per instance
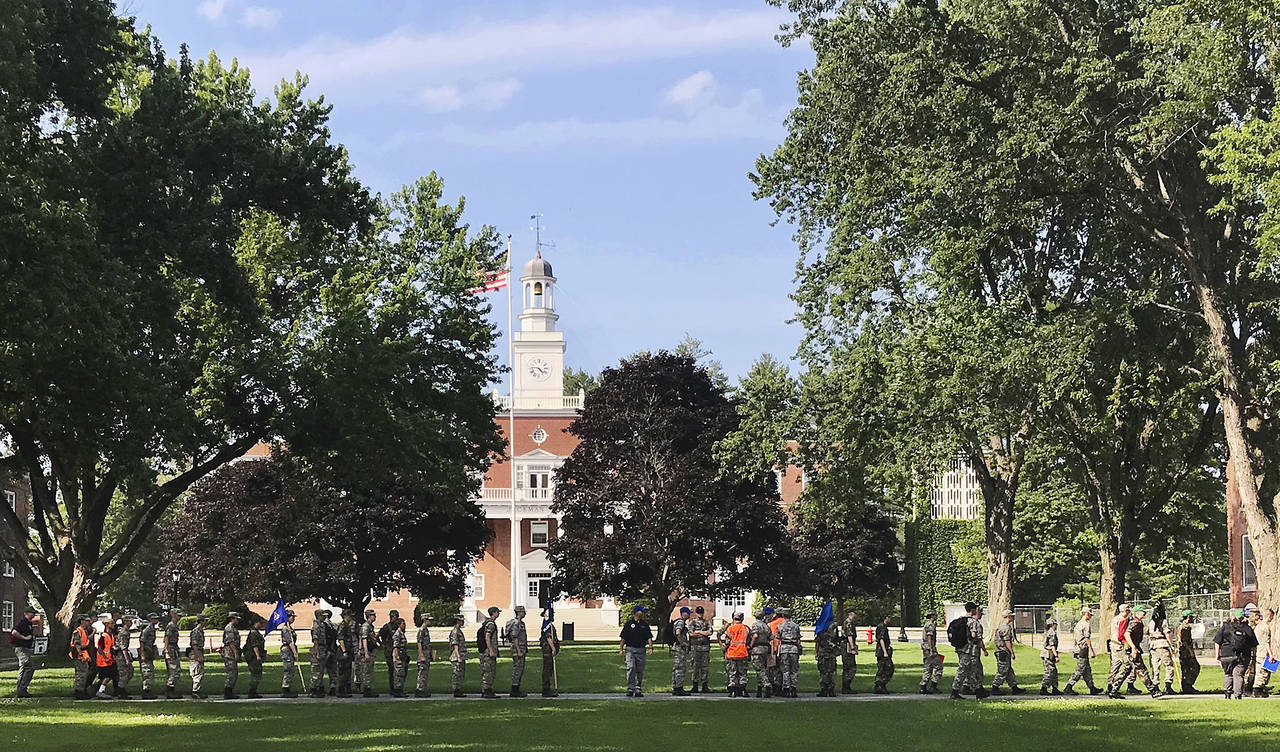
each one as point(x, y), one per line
point(13, 589)
point(955, 494)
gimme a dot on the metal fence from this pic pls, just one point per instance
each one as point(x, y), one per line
point(1212, 609)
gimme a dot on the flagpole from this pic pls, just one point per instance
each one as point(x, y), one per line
point(511, 432)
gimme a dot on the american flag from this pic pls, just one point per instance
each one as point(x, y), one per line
point(493, 281)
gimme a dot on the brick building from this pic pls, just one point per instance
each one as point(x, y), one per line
point(13, 590)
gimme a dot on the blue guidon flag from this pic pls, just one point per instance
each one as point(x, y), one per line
point(278, 617)
point(549, 619)
point(824, 619)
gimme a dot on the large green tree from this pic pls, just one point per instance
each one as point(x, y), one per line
point(187, 271)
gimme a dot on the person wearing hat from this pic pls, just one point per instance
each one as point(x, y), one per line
point(488, 647)
point(1049, 658)
point(1252, 617)
point(549, 643)
point(635, 640)
point(1121, 670)
point(147, 656)
point(1188, 662)
point(366, 653)
point(458, 655)
point(231, 656)
point(426, 654)
point(1232, 645)
point(384, 639)
point(346, 652)
point(736, 641)
point(518, 639)
point(679, 646)
point(255, 652)
point(23, 639)
point(1005, 636)
point(320, 647)
point(826, 651)
point(1133, 642)
point(1082, 637)
point(1162, 650)
point(884, 657)
point(968, 663)
point(700, 633)
point(759, 643)
point(930, 657)
point(789, 647)
point(775, 673)
point(849, 660)
point(82, 654)
point(288, 654)
point(172, 656)
point(399, 657)
point(1262, 653)
point(124, 658)
point(195, 655)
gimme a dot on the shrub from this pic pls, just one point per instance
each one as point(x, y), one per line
point(442, 610)
point(624, 613)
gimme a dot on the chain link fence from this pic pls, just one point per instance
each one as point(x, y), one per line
point(1211, 609)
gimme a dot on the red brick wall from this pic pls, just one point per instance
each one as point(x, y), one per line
point(1235, 529)
point(558, 442)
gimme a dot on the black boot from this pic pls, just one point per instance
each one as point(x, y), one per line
point(1168, 688)
point(678, 691)
point(845, 687)
point(459, 693)
point(768, 690)
point(1017, 691)
point(924, 689)
point(253, 694)
point(956, 695)
point(981, 693)
point(488, 694)
point(368, 692)
point(228, 694)
point(515, 691)
point(705, 689)
point(759, 691)
point(288, 692)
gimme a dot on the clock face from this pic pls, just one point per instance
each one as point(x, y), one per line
point(539, 369)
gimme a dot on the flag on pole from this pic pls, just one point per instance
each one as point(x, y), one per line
point(493, 281)
point(277, 617)
point(549, 616)
point(824, 619)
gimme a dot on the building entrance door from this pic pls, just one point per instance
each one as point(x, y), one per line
point(536, 583)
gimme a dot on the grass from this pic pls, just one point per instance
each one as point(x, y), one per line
point(52, 722)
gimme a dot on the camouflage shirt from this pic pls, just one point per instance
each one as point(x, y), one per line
point(490, 628)
point(1050, 642)
point(517, 637)
point(827, 643)
point(171, 638)
point(680, 629)
point(424, 639)
point(197, 640)
point(319, 635)
point(759, 637)
point(230, 642)
point(366, 639)
point(147, 643)
point(347, 636)
point(458, 639)
point(1081, 634)
point(789, 638)
point(288, 635)
point(850, 634)
point(399, 645)
point(929, 639)
point(1004, 634)
point(255, 646)
point(702, 643)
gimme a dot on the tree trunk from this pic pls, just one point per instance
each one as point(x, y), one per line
point(1114, 575)
point(999, 538)
point(61, 606)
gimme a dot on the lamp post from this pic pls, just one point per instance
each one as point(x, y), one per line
point(176, 575)
point(902, 587)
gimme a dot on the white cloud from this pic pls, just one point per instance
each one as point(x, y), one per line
point(692, 91)
point(746, 120)
point(212, 9)
point(485, 95)
point(258, 17)
point(547, 42)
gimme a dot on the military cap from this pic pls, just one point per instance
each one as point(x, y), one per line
point(970, 606)
point(700, 610)
point(289, 612)
point(637, 609)
point(370, 612)
point(1187, 612)
point(758, 613)
point(82, 617)
point(1250, 607)
point(175, 612)
point(202, 617)
point(784, 611)
point(1086, 610)
point(685, 610)
point(1006, 612)
point(394, 614)
point(494, 610)
point(153, 615)
point(1238, 613)
point(738, 616)
point(1139, 609)
point(1122, 608)
point(428, 617)
point(1050, 620)
point(768, 610)
point(459, 617)
point(520, 609)
point(233, 614)
point(931, 614)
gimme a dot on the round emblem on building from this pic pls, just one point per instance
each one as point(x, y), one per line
point(538, 435)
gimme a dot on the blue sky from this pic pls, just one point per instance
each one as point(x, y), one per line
point(630, 126)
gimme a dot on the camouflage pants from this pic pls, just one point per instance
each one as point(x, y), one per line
point(679, 665)
point(848, 667)
point(125, 665)
point(317, 668)
point(517, 669)
point(548, 670)
point(1162, 666)
point(364, 668)
point(968, 672)
point(1049, 674)
point(255, 675)
point(700, 661)
point(775, 675)
point(1138, 672)
point(173, 670)
point(1261, 676)
point(399, 668)
point(932, 673)
point(737, 672)
point(1083, 672)
point(827, 674)
point(232, 668)
point(1250, 665)
point(1121, 669)
point(760, 665)
point(488, 670)
point(195, 667)
point(1004, 670)
point(344, 673)
point(287, 663)
point(728, 670)
point(789, 669)
point(84, 673)
point(884, 671)
point(424, 674)
point(1190, 672)
point(458, 674)
point(147, 668)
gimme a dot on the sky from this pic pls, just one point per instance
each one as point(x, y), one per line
point(630, 127)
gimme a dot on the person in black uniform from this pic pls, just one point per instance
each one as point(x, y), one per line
point(635, 643)
point(1232, 647)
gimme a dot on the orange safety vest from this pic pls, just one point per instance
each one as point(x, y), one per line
point(105, 644)
point(82, 650)
point(773, 629)
point(737, 640)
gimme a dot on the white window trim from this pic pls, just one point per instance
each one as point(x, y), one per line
point(8, 569)
point(477, 586)
point(12, 498)
point(6, 616)
point(533, 531)
point(1244, 544)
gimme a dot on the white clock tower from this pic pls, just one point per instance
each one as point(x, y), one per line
point(538, 349)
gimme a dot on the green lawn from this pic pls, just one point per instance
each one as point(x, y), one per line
point(51, 722)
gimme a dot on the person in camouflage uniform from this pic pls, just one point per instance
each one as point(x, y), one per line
point(827, 648)
point(1082, 638)
point(1187, 659)
point(931, 659)
point(736, 639)
point(426, 654)
point(399, 658)
point(549, 642)
point(147, 656)
point(1162, 656)
point(288, 654)
point(1133, 642)
point(1049, 658)
point(722, 640)
point(346, 644)
point(775, 669)
point(884, 657)
point(367, 652)
point(761, 650)
point(680, 652)
point(231, 656)
point(124, 659)
point(320, 648)
point(788, 653)
point(333, 654)
point(849, 658)
point(255, 653)
point(968, 663)
point(458, 655)
point(195, 656)
point(518, 641)
point(1005, 636)
point(172, 656)
point(1121, 667)
point(82, 654)
point(489, 653)
point(384, 639)
point(700, 633)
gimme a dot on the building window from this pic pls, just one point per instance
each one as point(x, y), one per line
point(8, 569)
point(476, 589)
point(538, 533)
point(1248, 565)
point(734, 600)
point(535, 581)
point(12, 498)
point(6, 618)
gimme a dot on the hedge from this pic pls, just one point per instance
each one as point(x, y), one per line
point(442, 611)
point(217, 613)
point(650, 605)
point(947, 562)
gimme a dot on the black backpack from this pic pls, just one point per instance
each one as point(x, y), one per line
point(958, 632)
point(480, 646)
point(669, 633)
point(1238, 637)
